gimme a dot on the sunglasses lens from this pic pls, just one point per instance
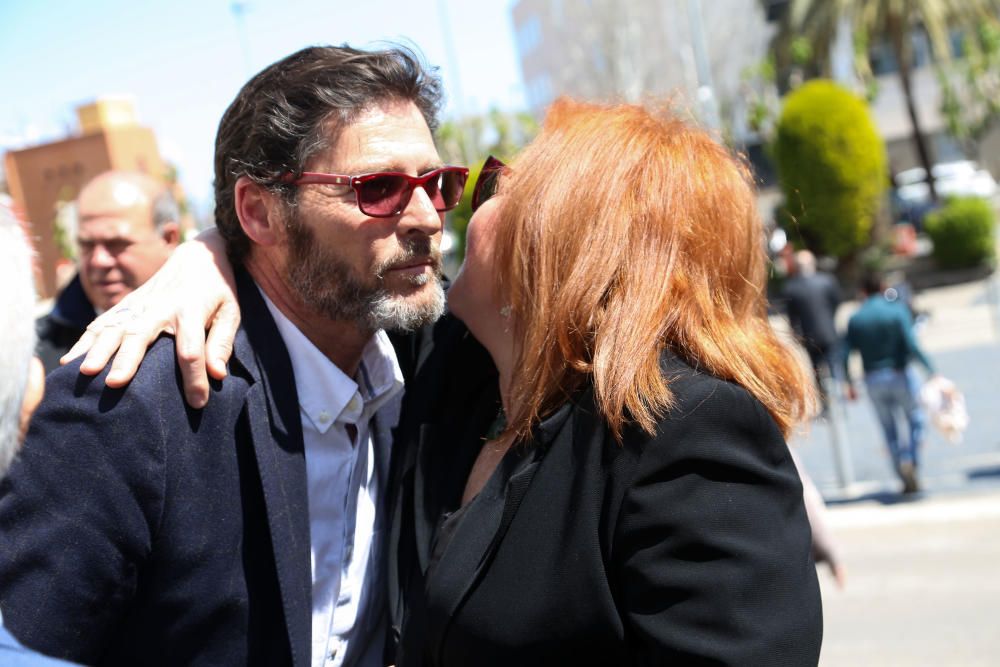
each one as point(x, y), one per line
point(445, 189)
point(486, 187)
point(486, 184)
point(450, 187)
point(386, 195)
point(383, 195)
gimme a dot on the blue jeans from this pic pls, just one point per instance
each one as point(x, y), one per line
point(894, 395)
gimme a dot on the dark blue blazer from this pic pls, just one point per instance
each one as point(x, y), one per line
point(12, 654)
point(135, 530)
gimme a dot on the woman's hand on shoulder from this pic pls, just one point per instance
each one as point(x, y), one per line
point(193, 291)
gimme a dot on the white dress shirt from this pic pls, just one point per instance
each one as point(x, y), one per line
point(344, 476)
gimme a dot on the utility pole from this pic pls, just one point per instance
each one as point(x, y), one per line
point(842, 54)
point(706, 91)
point(839, 443)
point(239, 10)
point(456, 84)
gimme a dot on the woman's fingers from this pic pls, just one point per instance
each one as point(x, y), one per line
point(85, 342)
point(131, 350)
point(190, 342)
point(219, 345)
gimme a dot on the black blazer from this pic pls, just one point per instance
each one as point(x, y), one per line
point(690, 547)
point(137, 531)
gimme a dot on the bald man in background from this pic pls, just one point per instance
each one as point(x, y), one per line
point(811, 300)
point(128, 226)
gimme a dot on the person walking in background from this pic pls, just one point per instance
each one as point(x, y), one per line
point(882, 331)
point(128, 226)
point(811, 299)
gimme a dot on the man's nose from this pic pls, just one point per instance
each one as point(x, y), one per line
point(100, 257)
point(420, 215)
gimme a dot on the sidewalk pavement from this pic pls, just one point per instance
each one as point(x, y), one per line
point(922, 574)
point(922, 583)
point(962, 337)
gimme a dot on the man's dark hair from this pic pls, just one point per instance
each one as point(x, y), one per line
point(873, 282)
point(287, 113)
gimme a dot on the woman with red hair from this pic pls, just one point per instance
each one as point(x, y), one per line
point(599, 473)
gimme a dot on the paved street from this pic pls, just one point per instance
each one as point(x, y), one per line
point(923, 583)
point(923, 575)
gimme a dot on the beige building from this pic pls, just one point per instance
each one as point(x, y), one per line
point(43, 178)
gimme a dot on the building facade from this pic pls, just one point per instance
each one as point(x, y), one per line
point(632, 51)
point(43, 179)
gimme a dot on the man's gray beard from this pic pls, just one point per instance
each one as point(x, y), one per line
point(328, 285)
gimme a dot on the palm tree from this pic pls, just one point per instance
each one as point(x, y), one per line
point(894, 20)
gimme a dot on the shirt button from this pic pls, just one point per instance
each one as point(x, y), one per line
point(353, 405)
point(325, 417)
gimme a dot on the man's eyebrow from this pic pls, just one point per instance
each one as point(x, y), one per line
point(373, 167)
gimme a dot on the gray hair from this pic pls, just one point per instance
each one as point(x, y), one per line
point(17, 336)
point(165, 209)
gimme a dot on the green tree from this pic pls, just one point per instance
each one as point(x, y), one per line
point(963, 233)
point(832, 167)
point(970, 89)
point(470, 141)
point(895, 21)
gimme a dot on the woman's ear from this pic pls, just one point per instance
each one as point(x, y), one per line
point(258, 211)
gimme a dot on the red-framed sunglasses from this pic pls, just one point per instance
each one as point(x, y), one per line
point(486, 184)
point(385, 194)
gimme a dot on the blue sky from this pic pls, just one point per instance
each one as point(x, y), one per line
point(184, 61)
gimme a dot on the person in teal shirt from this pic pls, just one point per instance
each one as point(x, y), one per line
point(882, 332)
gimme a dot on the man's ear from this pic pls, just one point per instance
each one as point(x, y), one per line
point(170, 232)
point(258, 211)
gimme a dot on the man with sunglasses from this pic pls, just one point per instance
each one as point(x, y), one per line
point(137, 530)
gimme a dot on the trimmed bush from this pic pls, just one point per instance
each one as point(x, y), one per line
point(962, 232)
point(832, 167)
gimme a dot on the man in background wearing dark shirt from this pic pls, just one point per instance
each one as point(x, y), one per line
point(811, 299)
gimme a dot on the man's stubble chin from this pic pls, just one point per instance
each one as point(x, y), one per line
point(329, 285)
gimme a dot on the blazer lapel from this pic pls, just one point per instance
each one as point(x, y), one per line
point(276, 430)
point(485, 521)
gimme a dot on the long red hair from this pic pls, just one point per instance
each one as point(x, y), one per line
point(623, 232)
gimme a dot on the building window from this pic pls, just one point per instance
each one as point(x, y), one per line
point(529, 35)
point(539, 91)
point(883, 58)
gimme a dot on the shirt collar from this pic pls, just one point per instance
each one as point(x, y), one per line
point(327, 394)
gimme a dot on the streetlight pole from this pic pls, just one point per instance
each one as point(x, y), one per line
point(239, 10)
point(706, 91)
point(449, 49)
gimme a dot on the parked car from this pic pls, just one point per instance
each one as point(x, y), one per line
point(962, 178)
point(911, 197)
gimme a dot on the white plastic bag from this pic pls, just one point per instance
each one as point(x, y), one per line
point(946, 407)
